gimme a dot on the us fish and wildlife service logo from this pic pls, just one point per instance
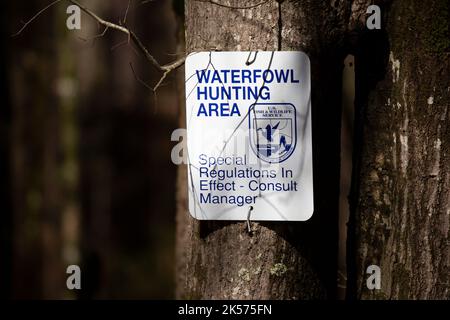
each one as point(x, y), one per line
point(273, 131)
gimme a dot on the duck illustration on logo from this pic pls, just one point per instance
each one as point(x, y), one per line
point(273, 131)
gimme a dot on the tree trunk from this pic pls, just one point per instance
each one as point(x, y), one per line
point(280, 260)
point(401, 218)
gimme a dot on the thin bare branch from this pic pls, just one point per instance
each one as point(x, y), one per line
point(158, 84)
point(161, 80)
point(131, 35)
point(124, 21)
point(174, 65)
point(120, 44)
point(35, 17)
point(100, 35)
point(165, 69)
point(139, 79)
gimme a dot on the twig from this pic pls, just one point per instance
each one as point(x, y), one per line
point(35, 17)
point(161, 80)
point(124, 21)
point(139, 79)
point(114, 47)
point(131, 35)
point(165, 69)
point(100, 35)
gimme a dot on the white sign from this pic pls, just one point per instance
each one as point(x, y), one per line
point(249, 135)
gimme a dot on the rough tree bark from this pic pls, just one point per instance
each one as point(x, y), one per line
point(279, 260)
point(401, 218)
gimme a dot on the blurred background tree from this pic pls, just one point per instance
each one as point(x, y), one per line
point(81, 141)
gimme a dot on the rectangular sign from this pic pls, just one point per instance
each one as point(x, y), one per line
point(249, 135)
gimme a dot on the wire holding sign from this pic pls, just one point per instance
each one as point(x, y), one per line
point(249, 136)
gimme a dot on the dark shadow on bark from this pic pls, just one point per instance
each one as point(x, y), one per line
point(318, 237)
point(207, 227)
point(371, 50)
